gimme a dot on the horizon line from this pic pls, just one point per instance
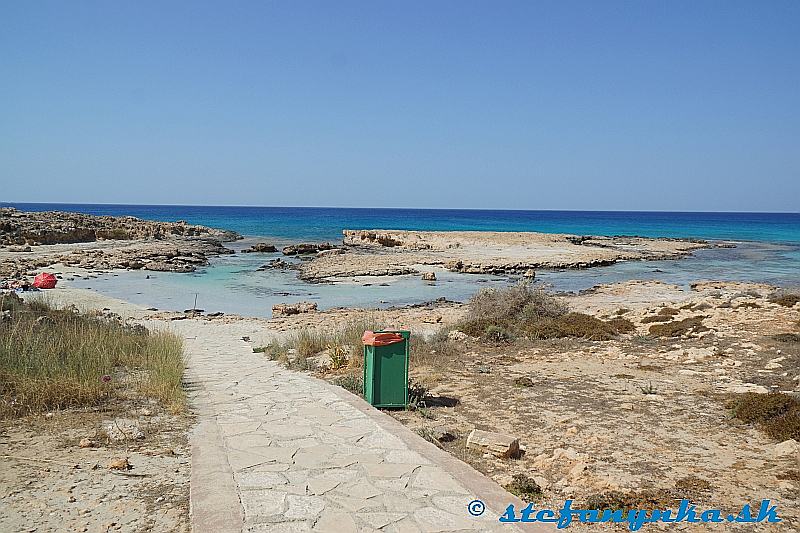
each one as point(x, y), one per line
point(12, 204)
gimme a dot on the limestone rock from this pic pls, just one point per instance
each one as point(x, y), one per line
point(428, 276)
point(332, 251)
point(260, 247)
point(787, 448)
point(278, 264)
point(294, 309)
point(120, 463)
point(456, 335)
point(307, 248)
point(497, 444)
point(58, 227)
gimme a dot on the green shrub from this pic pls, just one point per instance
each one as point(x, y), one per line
point(524, 487)
point(354, 382)
point(497, 334)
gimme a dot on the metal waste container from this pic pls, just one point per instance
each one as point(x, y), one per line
point(386, 368)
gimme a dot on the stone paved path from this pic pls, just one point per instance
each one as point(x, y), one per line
point(277, 450)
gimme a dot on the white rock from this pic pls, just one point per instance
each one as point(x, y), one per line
point(456, 335)
point(787, 448)
point(497, 444)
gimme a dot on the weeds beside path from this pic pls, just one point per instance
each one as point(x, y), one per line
point(61, 358)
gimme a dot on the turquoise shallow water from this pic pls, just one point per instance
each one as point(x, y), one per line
point(768, 250)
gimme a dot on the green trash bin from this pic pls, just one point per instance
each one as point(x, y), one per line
point(386, 372)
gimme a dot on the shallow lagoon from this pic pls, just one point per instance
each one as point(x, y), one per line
point(232, 284)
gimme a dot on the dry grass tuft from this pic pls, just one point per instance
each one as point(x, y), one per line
point(435, 351)
point(578, 325)
point(59, 358)
point(344, 344)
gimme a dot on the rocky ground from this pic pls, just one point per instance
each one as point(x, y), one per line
point(392, 253)
point(641, 415)
point(644, 415)
point(121, 469)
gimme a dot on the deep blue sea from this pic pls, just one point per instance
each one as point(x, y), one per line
point(768, 250)
point(327, 223)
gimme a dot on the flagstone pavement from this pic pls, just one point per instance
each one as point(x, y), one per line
point(278, 450)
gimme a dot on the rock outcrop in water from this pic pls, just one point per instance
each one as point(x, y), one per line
point(261, 248)
point(398, 252)
point(30, 241)
point(58, 227)
point(307, 248)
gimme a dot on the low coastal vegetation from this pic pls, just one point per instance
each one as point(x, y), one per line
point(785, 297)
point(342, 346)
point(54, 358)
point(501, 315)
point(776, 413)
point(679, 328)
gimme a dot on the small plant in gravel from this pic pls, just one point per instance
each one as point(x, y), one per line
point(353, 382)
point(429, 435)
point(649, 389)
point(338, 356)
point(416, 394)
point(524, 487)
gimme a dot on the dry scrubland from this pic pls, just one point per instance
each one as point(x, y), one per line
point(92, 422)
point(681, 395)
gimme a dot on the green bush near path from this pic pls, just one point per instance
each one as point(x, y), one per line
point(60, 358)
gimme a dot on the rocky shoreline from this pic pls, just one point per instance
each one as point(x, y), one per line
point(30, 241)
point(36, 240)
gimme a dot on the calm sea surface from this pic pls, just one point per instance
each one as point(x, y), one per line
point(768, 250)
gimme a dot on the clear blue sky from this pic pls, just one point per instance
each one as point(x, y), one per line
point(667, 105)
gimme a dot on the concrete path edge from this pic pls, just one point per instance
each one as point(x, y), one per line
point(496, 498)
